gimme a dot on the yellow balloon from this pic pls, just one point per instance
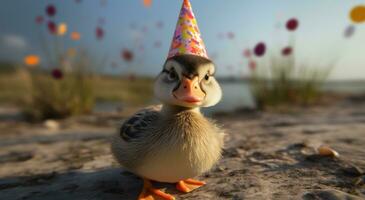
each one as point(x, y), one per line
point(357, 14)
point(62, 29)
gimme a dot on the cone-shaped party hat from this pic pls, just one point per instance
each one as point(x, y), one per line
point(187, 38)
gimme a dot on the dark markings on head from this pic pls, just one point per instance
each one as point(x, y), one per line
point(190, 63)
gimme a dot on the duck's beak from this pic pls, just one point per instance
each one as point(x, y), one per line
point(189, 91)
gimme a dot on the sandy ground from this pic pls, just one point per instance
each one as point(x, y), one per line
point(267, 156)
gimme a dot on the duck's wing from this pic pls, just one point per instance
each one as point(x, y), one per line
point(133, 128)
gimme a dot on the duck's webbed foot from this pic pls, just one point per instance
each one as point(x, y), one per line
point(189, 185)
point(150, 193)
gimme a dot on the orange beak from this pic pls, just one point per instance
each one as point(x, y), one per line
point(189, 91)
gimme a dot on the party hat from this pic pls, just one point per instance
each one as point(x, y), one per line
point(187, 38)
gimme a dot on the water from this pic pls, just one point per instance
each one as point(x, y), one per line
point(235, 95)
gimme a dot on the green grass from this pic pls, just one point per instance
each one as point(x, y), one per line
point(137, 92)
point(14, 87)
point(40, 93)
point(284, 82)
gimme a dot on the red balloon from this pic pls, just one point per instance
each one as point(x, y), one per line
point(292, 24)
point(287, 51)
point(127, 55)
point(57, 74)
point(51, 10)
point(260, 49)
point(99, 32)
point(52, 27)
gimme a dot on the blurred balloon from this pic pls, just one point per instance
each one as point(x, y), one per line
point(357, 14)
point(39, 19)
point(260, 49)
point(31, 60)
point(230, 35)
point(52, 28)
point(127, 55)
point(349, 31)
point(99, 32)
point(287, 51)
point(147, 3)
point(292, 24)
point(247, 53)
point(75, 36)
point(252, 65)
point(51, 10)
point(62, 29)
point(57, 74)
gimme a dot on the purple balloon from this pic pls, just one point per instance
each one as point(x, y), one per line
point(51, 10)
point(260, 49)
point(349, 31)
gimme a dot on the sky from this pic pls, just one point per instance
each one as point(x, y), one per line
point(319, 40)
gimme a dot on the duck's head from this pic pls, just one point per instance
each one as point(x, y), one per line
point(188, 81)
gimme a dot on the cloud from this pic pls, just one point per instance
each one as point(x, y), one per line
point(13, 42)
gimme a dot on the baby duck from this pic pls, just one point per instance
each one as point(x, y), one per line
point(174, 142)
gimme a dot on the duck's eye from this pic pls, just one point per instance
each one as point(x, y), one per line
point(172, 75)
point(207, 76)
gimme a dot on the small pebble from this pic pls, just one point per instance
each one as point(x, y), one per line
point(327, 151)
point(52, 124)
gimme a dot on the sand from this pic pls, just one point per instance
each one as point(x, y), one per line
point(267, 156)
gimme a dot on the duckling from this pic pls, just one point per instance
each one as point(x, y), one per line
point(173, 142)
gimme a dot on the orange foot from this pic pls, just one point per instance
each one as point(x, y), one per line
point(150, 193)
point(189, 185)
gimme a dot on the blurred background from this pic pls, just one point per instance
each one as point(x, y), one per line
point(293, 107)
point(59, 59)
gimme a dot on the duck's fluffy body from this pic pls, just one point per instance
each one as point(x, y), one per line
point(168, 147)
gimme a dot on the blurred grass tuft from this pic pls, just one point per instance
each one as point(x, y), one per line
point(286, 82)
point(43, 97)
